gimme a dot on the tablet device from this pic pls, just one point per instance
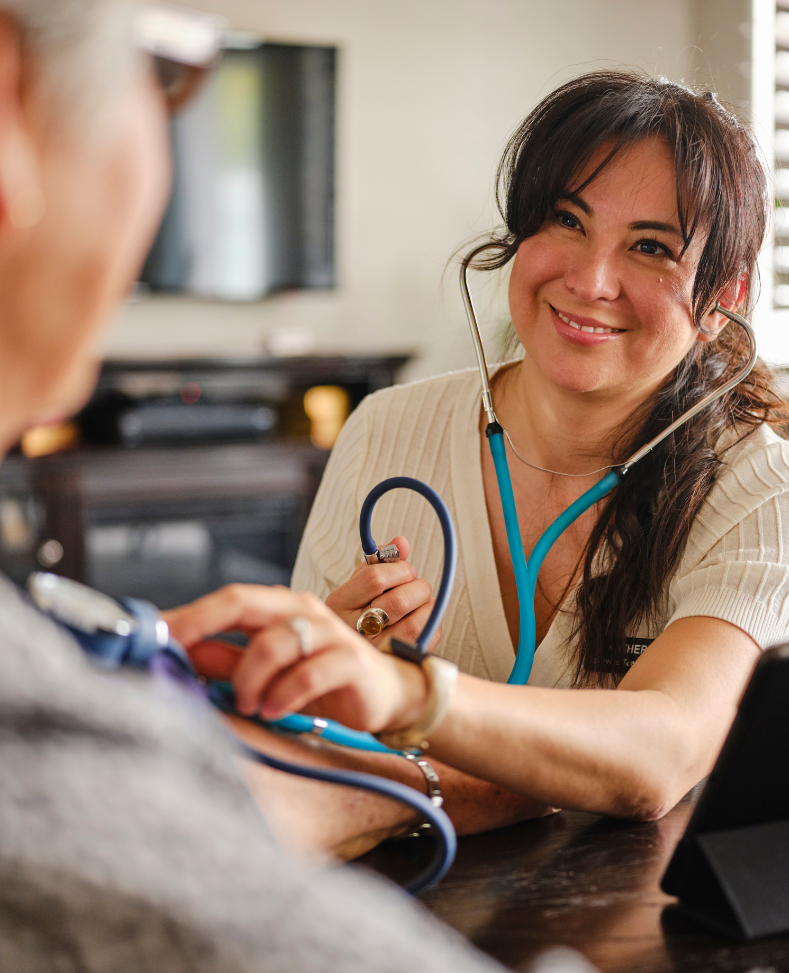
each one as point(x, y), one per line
point(730, 870)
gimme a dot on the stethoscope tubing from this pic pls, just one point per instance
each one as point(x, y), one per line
point(526, 572)
point(450, 544)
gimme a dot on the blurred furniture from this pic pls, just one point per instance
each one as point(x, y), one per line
point(579, 880)
point(171, 521)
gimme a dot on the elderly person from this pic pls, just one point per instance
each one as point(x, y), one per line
point(127, 839)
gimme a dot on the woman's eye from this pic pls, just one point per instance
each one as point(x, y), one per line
point(567, 219)
point(653, 249)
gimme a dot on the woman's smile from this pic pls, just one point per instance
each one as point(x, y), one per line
point(582, 330)
point(601, 296)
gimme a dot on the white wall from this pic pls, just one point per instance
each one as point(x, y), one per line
point(428, 92)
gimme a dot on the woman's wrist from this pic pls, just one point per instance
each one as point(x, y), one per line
point(425, 708)
point(415, 695)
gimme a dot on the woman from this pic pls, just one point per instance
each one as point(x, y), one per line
point(632, 208)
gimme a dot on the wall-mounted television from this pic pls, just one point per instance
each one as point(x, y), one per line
point(252, 205)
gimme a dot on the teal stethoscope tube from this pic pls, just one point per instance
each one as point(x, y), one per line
point(222, 696)
point(526, 572)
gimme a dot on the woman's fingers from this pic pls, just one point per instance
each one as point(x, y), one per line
point(283, 668)
point(244, 607)
point(215, 659)
point(404, 600)
point(344, 685)
point(409, 628)
point(270, 651)
point(368, 582)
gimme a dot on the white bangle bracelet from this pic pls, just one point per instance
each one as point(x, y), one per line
point(442, 677)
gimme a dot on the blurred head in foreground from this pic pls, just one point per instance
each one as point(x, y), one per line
point(84, 177)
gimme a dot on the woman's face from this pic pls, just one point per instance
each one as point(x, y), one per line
point(600, 297)
point(103, 192)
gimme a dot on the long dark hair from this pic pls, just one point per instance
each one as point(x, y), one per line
point(644, 525)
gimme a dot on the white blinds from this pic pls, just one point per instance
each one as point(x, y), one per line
point(781, 147)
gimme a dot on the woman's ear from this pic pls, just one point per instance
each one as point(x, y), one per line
point(731, 298)
point(21, 192)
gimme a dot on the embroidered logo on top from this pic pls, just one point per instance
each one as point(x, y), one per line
point(634, 647)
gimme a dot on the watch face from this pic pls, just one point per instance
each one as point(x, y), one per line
point(79, 606)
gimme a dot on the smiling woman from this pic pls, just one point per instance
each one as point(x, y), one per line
point(659, 216)
point(632, 207)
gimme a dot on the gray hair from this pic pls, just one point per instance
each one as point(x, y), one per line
point(83, 49)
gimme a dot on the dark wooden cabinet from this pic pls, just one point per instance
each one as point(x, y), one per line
point(170, 522)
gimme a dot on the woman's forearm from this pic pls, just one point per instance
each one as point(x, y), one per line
point(633, 751)
point(590, 749)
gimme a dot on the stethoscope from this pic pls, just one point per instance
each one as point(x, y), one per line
point(526, 571)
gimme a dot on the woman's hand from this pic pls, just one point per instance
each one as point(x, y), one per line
point(343, 677)
point(392, 586)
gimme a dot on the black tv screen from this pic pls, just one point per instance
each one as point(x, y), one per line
point(252, 205)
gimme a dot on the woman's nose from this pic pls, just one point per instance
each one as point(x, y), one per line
point(593, 275)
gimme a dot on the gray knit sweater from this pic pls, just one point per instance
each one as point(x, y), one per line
point(128, 842)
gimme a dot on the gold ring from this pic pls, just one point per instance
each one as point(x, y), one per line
point(372, 622)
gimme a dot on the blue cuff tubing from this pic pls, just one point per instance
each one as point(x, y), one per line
point(446, 841)
point(450, 543)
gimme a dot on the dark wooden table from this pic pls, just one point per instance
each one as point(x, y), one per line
point(588, 882)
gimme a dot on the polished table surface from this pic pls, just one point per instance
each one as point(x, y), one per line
point(579, 880)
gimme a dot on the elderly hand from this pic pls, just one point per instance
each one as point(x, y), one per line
point(392, 586)
point(341, 676)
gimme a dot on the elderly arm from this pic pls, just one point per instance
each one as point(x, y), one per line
point(309, 817)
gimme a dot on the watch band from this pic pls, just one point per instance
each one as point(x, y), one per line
point(432, 789)
point(432, 783)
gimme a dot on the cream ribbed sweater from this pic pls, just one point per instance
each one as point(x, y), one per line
point(735, 566)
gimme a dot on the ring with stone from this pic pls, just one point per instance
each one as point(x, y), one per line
point(372, 622)
point(303, 629)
